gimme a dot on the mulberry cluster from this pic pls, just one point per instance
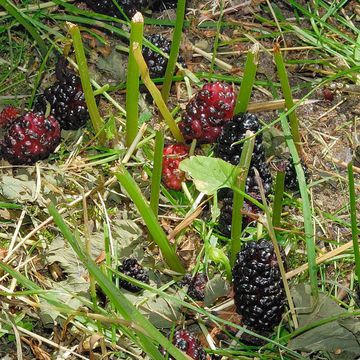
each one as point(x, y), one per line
point(156, 62)
point(30, 138)
point(67, 102)
point(207, 112)
point(132, 268)
point(258, 290)
point(229, 148)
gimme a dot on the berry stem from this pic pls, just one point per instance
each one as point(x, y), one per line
point(132, 81)
point(289, 101)
point(278, 198)
point(174, 52)
point(277, 250)
point(157, 233)
point(156, 173)
point(155, 93)
point(238, 201)
point(354, 220)
point(95, 117)
point(247, 83)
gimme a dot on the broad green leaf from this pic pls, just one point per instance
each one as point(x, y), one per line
point(209, 174)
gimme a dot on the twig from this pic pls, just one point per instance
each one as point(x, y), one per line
point(320, 259)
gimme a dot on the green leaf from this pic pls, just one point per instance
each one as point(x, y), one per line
point(209, 174)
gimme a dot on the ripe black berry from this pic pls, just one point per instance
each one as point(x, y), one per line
point(291, 182)
point(132, 268)
point(258, 289)
point(155, 61)
point(107, 7)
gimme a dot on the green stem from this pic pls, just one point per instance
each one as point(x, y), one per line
point(174, 52)
point(156, 172)
point(286, 89)
point(238, 197)
point(132, 83)
point(354, 220)
point(156, 95)
point(157, 233)
point(96, 120)
point(278, 198)
point(247, 83)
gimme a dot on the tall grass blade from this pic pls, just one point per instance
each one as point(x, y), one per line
point(289, 101)
point(24, 20)
point(174, 51)
point(306, 207)
point(146, 332)
point(132, 82)
point(149, 218)
point(156, 95)
point(354, 220)
point(238, 199)
point(247, 83)
point(96, 120)
point(156, 172)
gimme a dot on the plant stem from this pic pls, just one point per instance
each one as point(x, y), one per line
point(174, 52)
point(289, 102)
point(132, 82)
point(354, 220)
point(157, 170)
point(238, 198)
point(278, 198)
point(96, 120)
point(155, 93)
point(150, 220)
point(247, 83)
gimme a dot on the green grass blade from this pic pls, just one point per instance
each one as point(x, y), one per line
point(247, 83)
point(354, 220)
point(156, 172)
point(144, 329)
point(95, 117)
point(306, 207)
point(238, 200)
point(132, 82)
point(24, 21)
point(285, 85)
point(150, 219)
point(156, 95)
point(278, 198)
point(174, 52)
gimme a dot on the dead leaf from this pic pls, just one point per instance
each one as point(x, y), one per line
point(340, 338)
